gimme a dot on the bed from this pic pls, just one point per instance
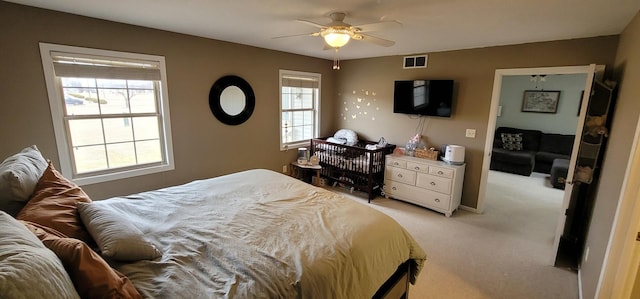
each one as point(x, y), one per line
point(252, 234)
point(353, 166)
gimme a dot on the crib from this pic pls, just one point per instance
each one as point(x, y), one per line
point(354, 167)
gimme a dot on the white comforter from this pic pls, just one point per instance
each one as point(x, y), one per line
point(260, 234)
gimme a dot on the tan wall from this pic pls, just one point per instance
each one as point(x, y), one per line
point(203, 146)
point(627, 111)
point(368, 83)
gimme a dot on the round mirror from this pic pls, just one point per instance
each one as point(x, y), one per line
point(231, 100)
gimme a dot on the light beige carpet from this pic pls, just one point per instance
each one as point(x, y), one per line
point(505, 252)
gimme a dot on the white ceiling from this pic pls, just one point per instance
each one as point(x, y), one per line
point(427, 25)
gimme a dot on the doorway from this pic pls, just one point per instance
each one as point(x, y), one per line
point(501, 74)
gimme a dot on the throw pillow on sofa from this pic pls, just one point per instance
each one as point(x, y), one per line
point(512, 142)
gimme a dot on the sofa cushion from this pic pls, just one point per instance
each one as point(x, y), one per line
point(557, 143)
point(547, 157)
point(514, 157)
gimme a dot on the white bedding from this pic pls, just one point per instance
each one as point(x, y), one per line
point(260, 234)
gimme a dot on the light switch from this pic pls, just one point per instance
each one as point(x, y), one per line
point(471, 133)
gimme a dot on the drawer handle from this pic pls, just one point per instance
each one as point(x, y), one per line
point(437, 200)
point(433, 183)
point(440, 172)
point(394, 188)
point(396, 163)
point(417, 168)
point(399, 175)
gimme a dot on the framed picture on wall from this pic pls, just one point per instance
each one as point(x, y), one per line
point(541, 101)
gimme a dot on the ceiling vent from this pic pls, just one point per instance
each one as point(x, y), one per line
point(415, 62)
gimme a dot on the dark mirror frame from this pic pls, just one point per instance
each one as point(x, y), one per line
point(214, 100)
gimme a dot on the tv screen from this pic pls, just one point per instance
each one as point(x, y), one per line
point(423, 97)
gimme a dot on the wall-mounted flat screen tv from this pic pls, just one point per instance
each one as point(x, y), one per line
point(423, 97)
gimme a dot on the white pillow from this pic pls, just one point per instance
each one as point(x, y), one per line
point(19, 175)
point(349, 135)
point(27, 268)
point(116, 237)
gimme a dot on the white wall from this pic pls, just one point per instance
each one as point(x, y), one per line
point(562, 122)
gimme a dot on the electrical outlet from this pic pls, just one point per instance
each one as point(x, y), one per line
point(284, 169)
point(470, 133)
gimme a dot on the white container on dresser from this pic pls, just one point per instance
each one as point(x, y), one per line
point(432, 184)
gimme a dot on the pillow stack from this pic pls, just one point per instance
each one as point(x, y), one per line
point(48, 251)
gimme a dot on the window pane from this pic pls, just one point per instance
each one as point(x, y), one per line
point(298, 134)
point(146, 127)
point(90, 158)
point(308, 132)
point(298, 118)
point(113, 101)
point(148, 151)
point(112, 83)
point(296, 101)
point(308, 117)
point(286, 119)
point(142, 100)
point(286, 101)
point(78, 82)
point(121, 154)
point(77, 102)
point(140, 84)
point(307, 100)
point(118, 129)
point(86, 132)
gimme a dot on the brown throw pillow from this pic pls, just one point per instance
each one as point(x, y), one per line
point(53, 204)
point(91, 275)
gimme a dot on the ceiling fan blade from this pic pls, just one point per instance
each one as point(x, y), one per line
point(378, 26)
point(295, 35)
point(375, 40)
point(312, 24)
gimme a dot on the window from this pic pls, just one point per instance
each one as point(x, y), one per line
point(299, 108)
point(110, 112)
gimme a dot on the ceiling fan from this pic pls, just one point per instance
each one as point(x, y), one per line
point(337, 33)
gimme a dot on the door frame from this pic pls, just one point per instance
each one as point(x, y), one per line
point(588, 70)
point(622, 257)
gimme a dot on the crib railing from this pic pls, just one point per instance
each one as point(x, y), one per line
point(352, 166)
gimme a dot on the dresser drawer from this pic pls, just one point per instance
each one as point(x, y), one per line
point(417, 195)
point(418, 167)
point(441, 171)
point(396, 163)
point(435, 183)
point(400, 175)
point(437, 200)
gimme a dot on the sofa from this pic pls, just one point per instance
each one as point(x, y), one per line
point(522, 151)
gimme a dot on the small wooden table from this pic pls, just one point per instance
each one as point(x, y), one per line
point(299, 171)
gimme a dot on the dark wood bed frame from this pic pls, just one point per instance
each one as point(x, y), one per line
point(397, 286)
point(369, 178)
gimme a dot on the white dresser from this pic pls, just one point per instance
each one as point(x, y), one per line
point(432, 184)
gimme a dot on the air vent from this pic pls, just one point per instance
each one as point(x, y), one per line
point(415, 62)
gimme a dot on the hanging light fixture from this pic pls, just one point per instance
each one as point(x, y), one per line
point(336, 37)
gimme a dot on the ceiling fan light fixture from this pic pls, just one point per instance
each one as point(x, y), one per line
point(336, 38)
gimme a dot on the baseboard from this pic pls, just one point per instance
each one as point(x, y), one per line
point(470, 209)
point(579, 285)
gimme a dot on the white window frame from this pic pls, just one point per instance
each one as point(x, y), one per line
point(316, 107)
point(56, 103)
